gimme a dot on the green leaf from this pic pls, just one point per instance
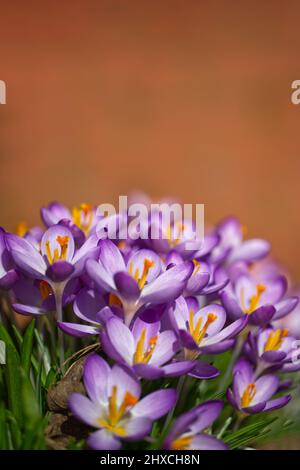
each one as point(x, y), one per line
point(3, 427)
point(13, 381)
point(27, 347)
point(34, 422)
point(247, 434)
point(4, 336)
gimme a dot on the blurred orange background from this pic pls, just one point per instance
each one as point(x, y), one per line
point(181, 98)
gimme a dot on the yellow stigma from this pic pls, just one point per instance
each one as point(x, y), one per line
point(115, 413)
point(182, 443)
point(197, 266)
point(82, 216)
point(248, 395)
point(58, 255)
point(254, 300)
point(45, 289)
point(196, 331)
point(143, 279)
point(140, 355)
point(275, 339)
point(21, 229)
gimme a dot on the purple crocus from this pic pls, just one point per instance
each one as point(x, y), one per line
point(187, 431)
point(89, 306)
point(138, 282)
point(57, 260)
point(81, 220)
point(202, 331)
point(114, 405)
point(232, 247)
point(273, 347)
point(261, 299)
point(250, 394)
point(144, 348)
point(202, 280)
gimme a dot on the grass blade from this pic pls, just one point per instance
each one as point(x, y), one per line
point(27, 347)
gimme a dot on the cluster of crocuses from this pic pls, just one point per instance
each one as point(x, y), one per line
point(159, 312)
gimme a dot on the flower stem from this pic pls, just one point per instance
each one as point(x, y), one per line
point(171, 412)
point(58, 292)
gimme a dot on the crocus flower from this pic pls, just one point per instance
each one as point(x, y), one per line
point(261, 299)
point(252, 395)
point(272, 346)
point(187, 431)
point(8, 274)
point(144, 348)
point(138, 282)
point(82, 220)
point(202, 280)
point(57, 259)
point(88, 306)
point(232, 247)
point(114, 405)
point(202, 330)
point(36, 297)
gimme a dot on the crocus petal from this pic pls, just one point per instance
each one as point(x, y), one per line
point(26, 257)
point(77, 330)
point(156, 404)
point(286, 306)
point(227, 333)
point(215, 287)
point(255, 408)
point(53, 213)
point(121, 338)
point(59, 271)
point(125, 381)
point(95, 376)
point(203, 370)
point(29, 309)
point(50, 242)
point(178, 368)
point(8, 280)
point(84, 409)
point(187, 340)
point(218, 348)
point(151, 313)
point(230, 304)
point(277, 403)
point(165, 348)
point(204, 442)
point(250, 250)
point(103, 440)
point(217, 324)
point(262, 315)
point(135, 264)
point(275, 290)
point(87, 304)
point(148, 372)
point(169, 285)
point(273, 356)
point(231, 398)
point(197, 282)
point(206, 414)
point(100, 276)
point(127, 286)
point(137, 428)
point(266, 386)
point(111, 257)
